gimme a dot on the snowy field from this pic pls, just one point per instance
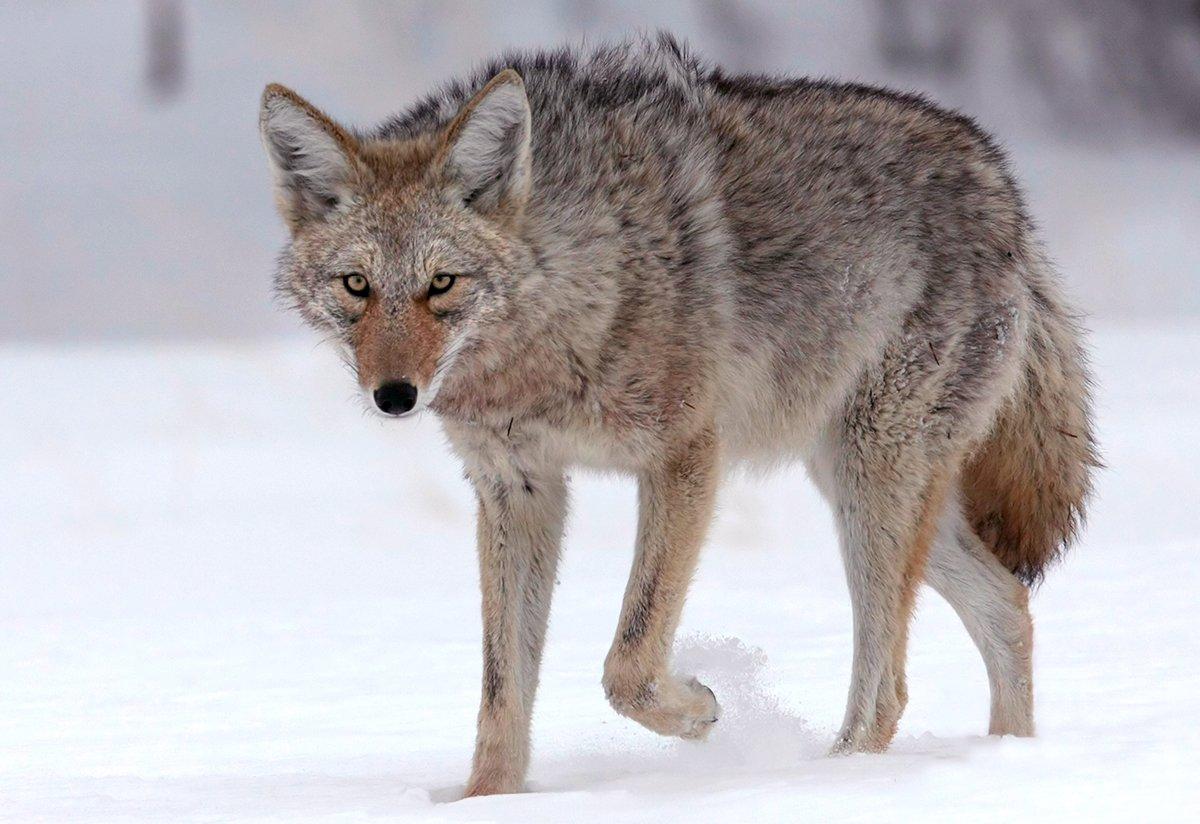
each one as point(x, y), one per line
point(226, 594)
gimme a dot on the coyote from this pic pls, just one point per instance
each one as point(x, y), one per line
point(627, 259)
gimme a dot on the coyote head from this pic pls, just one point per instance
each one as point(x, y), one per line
point(405, 251)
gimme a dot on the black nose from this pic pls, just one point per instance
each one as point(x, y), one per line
point(396, 397)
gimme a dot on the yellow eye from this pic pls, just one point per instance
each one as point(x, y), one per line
point(356, 285)
point(440, 284)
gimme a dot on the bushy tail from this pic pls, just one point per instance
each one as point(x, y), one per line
point(1027, 485)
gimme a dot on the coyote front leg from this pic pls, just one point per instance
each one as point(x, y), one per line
point(520, 531)
point(675, 507)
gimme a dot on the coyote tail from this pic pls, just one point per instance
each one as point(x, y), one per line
point(1027, 484)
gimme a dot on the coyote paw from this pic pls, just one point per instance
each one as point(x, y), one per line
point(668, 706)
point(861, 736)
point(864, 732)
point(492, 782)
point(857, 738)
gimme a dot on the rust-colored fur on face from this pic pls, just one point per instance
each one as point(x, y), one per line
point(383, 354)
point(627, 259)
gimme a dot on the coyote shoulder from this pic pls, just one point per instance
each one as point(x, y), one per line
point(625, 258)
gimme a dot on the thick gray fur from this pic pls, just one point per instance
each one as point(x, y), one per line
point(670, 271)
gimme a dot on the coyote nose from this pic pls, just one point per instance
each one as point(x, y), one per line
point(396, 397)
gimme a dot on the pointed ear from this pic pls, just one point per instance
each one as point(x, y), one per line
point(486, 150)
point(314, 160)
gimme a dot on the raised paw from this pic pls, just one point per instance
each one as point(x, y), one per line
point(698, 723)
point(669, 706)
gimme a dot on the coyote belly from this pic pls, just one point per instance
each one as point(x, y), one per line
point(628, 259)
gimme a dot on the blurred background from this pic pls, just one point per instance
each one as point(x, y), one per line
point(134, 196)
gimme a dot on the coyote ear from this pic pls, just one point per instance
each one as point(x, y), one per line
point(487, 160)
point(312, 158)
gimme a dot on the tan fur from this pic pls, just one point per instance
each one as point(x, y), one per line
point(400, 163)
point(394, 348)
point(889, 709)
point(676, 505)
point(520, 522)
point(293, 209)
point(508, 76)
point(1026, 486)
point(1003, 720)
point(994, 607)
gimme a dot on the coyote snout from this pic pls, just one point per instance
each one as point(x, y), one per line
point(395, 398)
point(397, 353)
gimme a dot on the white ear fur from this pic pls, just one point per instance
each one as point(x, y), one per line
point(313, 171)
point(489, 154)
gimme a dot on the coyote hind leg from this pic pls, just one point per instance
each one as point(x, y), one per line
point(994, 607)
point(887, 519)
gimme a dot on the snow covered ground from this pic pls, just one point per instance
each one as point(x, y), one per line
point(225, 594)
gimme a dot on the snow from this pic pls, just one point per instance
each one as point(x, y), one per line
point(229, 595)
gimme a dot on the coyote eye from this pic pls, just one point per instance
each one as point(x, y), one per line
point(440, 284)
point(356, 285)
